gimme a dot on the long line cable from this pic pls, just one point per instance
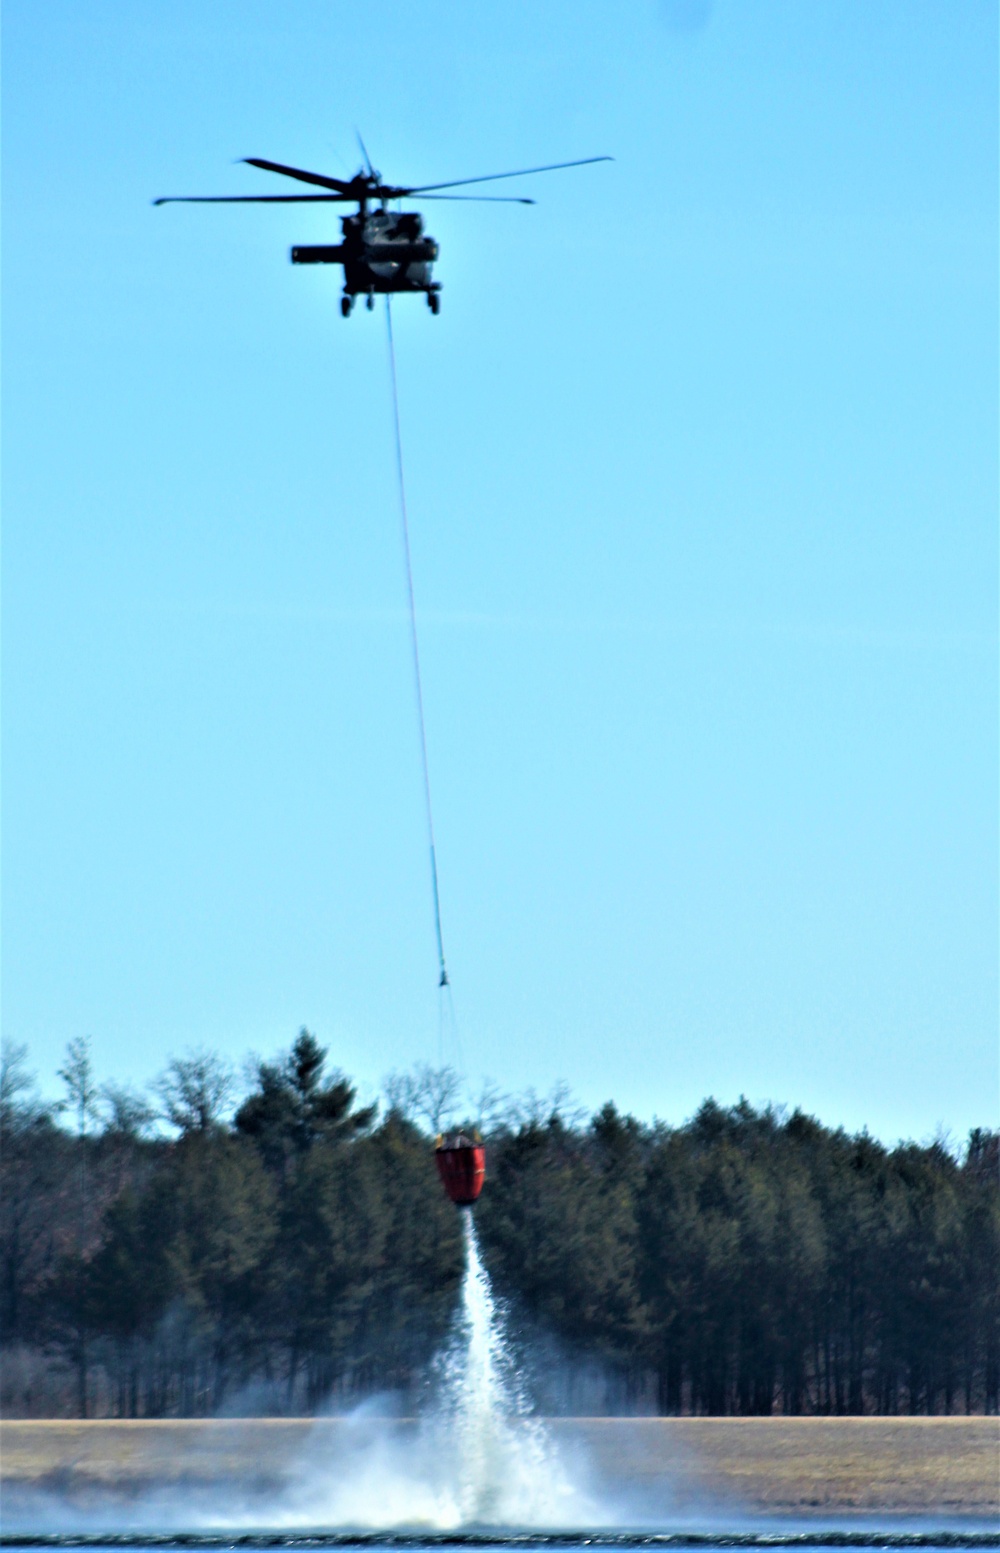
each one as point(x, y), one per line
point(443, 982)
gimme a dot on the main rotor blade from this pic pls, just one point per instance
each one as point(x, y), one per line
point(523, 172)
point(325, 199)
point(255, 199)
point(297, 172)
point(364, 153)
point(480, 199)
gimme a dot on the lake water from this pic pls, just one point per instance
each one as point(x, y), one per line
point(567, 1542)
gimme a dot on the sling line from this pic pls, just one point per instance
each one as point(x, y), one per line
point(443, 982)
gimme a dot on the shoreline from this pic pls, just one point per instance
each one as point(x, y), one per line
point(845, 1467)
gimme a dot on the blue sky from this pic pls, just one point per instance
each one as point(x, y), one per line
point(702, 467)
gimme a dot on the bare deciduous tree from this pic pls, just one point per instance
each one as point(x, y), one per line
point(426, 1094)
point(195, 1091)
point(125, 1112)
point(77, 1073)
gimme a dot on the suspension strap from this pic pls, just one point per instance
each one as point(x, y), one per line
point(443, 982)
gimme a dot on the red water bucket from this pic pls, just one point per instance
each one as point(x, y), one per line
point(462, 1167)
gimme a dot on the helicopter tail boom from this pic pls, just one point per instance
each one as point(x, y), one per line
point(329, 253)
point(422, 251)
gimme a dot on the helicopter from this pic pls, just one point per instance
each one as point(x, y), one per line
point(381, 250)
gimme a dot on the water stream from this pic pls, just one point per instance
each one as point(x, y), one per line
point(475, 1458)
point(507, 1470)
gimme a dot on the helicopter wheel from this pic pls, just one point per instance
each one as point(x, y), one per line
point(370, 301)
point(434, 302)
point(346, 304)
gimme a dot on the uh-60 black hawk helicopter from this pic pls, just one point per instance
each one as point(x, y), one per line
point(382, 250)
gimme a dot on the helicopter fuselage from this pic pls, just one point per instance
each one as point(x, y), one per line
point(381, 251)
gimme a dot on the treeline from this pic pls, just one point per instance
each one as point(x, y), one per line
point(753, 1264)
point(176, 1254)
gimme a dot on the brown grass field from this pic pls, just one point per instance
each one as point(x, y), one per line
point(782, 1466)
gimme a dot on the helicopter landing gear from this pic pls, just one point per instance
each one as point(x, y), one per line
point(434, 302)
point(346, 304)
point(370, 300)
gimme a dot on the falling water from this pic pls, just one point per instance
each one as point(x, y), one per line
point(476, 1458)
point(508, 1471)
